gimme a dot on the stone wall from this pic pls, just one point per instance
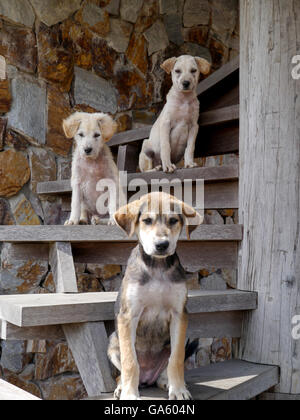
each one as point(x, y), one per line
point(92, 55)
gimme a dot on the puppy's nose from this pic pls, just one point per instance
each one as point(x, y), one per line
point(162, 246)
point(88, 150)
point(186, 84)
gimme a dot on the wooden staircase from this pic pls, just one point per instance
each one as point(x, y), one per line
point(87, 319)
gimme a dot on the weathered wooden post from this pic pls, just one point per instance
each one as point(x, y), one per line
point(270, 183)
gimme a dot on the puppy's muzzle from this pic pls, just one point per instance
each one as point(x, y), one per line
point(162, 247)
point(88, 151)
point(186, 85)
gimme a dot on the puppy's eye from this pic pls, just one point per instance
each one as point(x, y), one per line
point(97, 135)
point(194, 71)
point(173, 221)
point(148, 221)
point(178, 71)
point(80, 134)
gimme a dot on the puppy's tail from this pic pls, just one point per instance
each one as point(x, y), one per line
point(191, 348)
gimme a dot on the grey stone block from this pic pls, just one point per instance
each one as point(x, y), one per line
point(17, 11)
point(196, 12)
point(173, 27)
point(130, 9)
point(52, 12)
point(28, 111)
point(157, 37)
point(94, 91)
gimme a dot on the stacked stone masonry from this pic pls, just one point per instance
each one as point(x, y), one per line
point(58, 56)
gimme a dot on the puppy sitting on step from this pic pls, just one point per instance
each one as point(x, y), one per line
point(174, 134)
point(149, 344)
point(92, 162)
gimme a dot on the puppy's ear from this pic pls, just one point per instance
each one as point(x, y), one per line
point(127, 217)
point(71, 125)
point(192, 218)
point(203, 65)
point(108, 126)
point(169, 64)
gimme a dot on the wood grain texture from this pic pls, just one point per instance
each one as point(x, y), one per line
point(47, 234)
point(209, 174)
point(270, 184)
point(62, 266)
point(231, 380)
point(88, 343)
point(56, 309)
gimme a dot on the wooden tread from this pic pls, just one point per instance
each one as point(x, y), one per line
point(104, 233)
point(9, 392)
point(231, 380)
point(208, 174)
point(56, 309)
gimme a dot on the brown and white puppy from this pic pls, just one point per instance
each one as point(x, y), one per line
point(92, 162)
point(148, 346)
point(174, 134)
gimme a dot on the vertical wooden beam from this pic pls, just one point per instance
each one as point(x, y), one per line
point(128, 158)
point(63, 269)
point(88, 341)
point(270, 184)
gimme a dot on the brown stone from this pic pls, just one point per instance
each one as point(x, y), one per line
point(18, 45)
point(5, 96)
point(198, 35)
point(88, 283)
point(5, 214)
point(148, 15)
point(16, 140)
point(3, 124)
point(58, 109)
point(24, 213)
point(95, 18)
point(43, 167)
point(104, 58)
point(63, 388)
point(134, 91)
point(219, 52)
point(137, 52)
point(55, 65)
point(221, 350)
point(78, 41)
point(49, 283)
point(56, 361)
point(124, 122)
point(14, 172)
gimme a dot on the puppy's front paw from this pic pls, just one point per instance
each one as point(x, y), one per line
point(118, 392)
point(169, 168)
point(95, 220)
point(191, 165)
point(129, 396)
point(111, 222)
point(179, 393)
point(71, 222)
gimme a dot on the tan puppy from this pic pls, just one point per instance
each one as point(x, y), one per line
point(149, 344)
point(174, 134)
point(92, 162)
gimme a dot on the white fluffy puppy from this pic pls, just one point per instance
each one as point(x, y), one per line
point(92, 162)
point(174, 134)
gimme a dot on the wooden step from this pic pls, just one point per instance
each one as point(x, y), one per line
point(208, 174)
point(59, 308)
point(104, 233)
point(231, 380)
point(220, 188)
point(9, 392)
point(219, 76)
